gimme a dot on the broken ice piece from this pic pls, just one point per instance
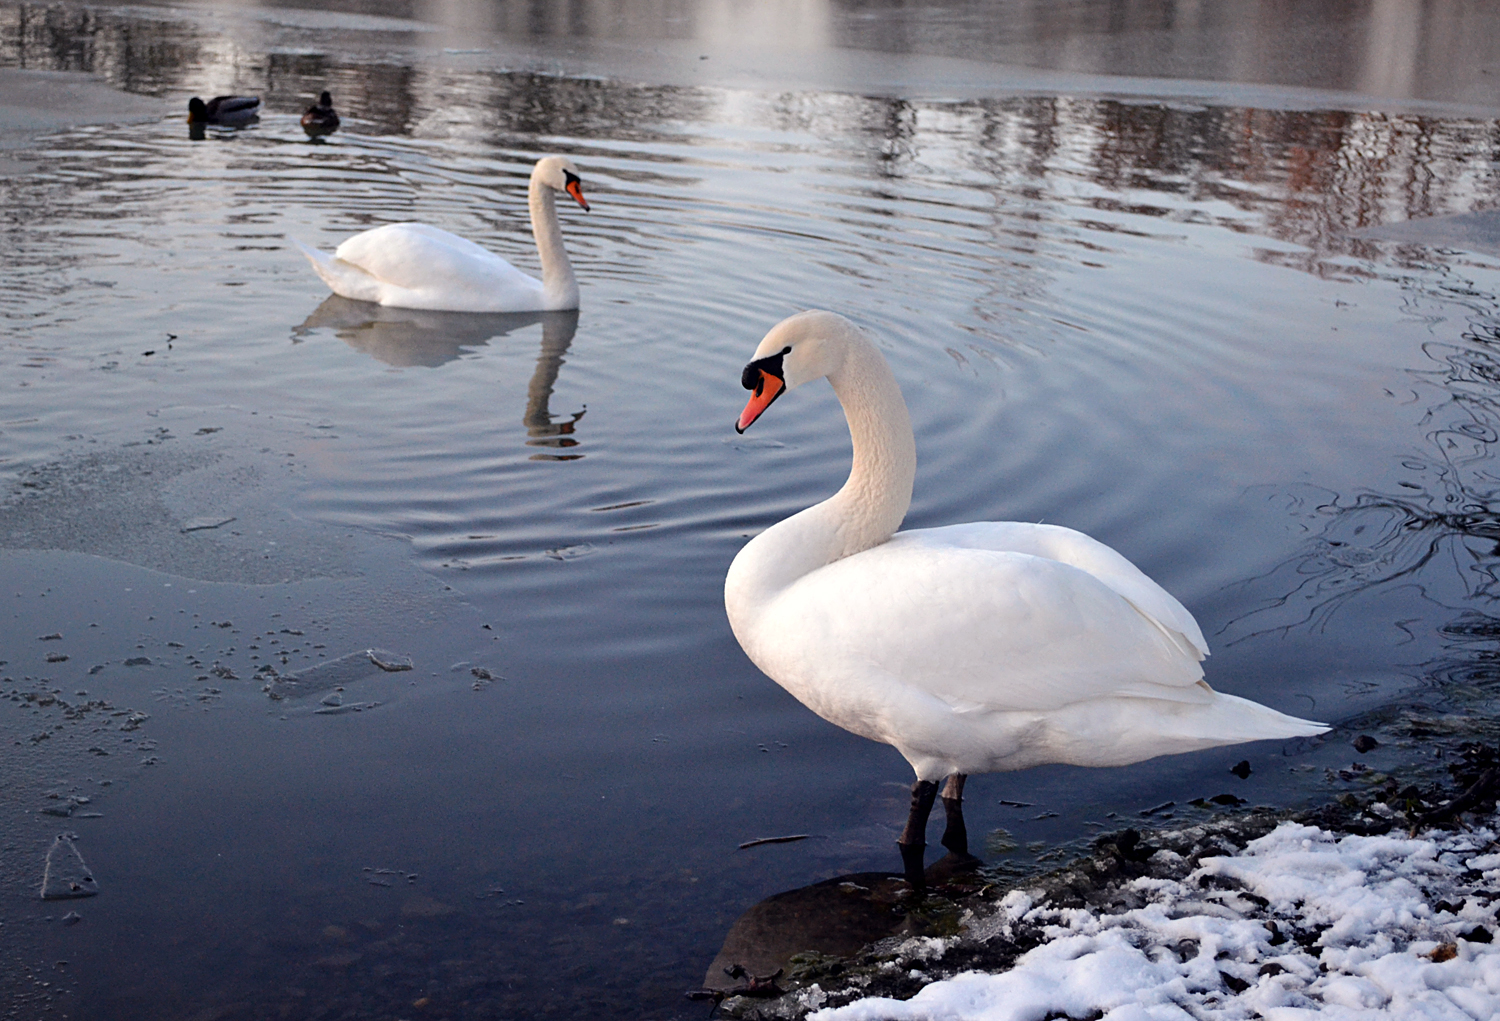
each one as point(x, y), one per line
point(200, 524)
point(334, 674)
point(388, 661)
point(72, 918)
point(66, 874)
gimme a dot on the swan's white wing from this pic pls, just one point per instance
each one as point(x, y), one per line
point(344, 279)
point(978, 628)
point(431, 268)
point(1069, 547)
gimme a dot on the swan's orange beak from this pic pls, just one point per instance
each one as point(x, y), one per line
point(575, 189)
point(767, 389)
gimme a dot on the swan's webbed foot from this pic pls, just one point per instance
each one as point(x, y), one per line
point(913, 839)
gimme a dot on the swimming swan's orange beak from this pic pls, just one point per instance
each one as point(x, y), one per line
point(767, 389)
point(575, 189)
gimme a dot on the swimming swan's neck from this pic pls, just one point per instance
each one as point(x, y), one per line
point(559, 285)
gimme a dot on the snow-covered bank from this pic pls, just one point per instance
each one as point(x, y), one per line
point(1378, 906)
point(1302, 924)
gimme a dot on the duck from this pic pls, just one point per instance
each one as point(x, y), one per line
point(979, 647)
point(416, 265)
point(230, 111)
point(321, 119)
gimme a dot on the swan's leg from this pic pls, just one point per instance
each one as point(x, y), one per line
point(913, 839)
point(955, 835)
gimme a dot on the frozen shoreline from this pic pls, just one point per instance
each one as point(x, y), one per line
point(1336, 913)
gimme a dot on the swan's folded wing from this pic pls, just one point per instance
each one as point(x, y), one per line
point(979, 629)
point(420, 257)
point(1088, 554)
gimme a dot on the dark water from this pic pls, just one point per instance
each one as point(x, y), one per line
point(1158, 321)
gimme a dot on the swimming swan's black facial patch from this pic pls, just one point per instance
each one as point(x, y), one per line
point(751, 379)
point(573, 185)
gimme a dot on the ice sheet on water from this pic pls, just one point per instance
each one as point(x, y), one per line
point(1476, 232)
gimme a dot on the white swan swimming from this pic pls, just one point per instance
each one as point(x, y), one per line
point(972, 648)
point(415, 265)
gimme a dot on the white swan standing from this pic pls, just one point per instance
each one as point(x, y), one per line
point(979, 647)
point(415, 265)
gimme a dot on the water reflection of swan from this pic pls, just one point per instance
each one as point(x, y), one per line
point(557, 333)
point(406, 338)
point(979, 647)
point(416, 265)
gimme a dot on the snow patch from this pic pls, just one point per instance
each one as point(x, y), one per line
point(1371, 945)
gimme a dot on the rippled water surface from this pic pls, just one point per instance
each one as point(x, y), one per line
point(1163, 322)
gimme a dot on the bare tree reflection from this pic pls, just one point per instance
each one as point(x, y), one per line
point(419, 338)
point(1437, 529)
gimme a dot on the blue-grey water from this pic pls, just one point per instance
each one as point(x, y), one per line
point(1155, 312)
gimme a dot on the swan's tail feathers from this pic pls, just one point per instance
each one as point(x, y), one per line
point(1245, 720)
point(1125, 730)
point(343, 278)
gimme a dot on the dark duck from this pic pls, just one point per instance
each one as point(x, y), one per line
point(321, 119)
point(230, 111)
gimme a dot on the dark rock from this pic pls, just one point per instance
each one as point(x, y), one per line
point(1478, 934)
point(836, 918)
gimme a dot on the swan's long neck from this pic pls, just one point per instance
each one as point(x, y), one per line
point(559, 285)
point(871, 505)
point(864, 513)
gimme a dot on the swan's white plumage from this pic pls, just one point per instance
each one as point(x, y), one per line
point(975, 647)
point(416, 265)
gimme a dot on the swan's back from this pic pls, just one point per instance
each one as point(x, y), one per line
point(427, 267)
point(1067, 546)
point(980, 628)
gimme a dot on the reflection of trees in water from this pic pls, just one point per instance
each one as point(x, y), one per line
point(382, 94)
point(160, 54)
point(137, 56)
point(522, 103)
point(1302, 176)
point(1396, 49)
point(1306, 177)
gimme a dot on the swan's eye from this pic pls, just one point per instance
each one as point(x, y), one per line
point(753, 378)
